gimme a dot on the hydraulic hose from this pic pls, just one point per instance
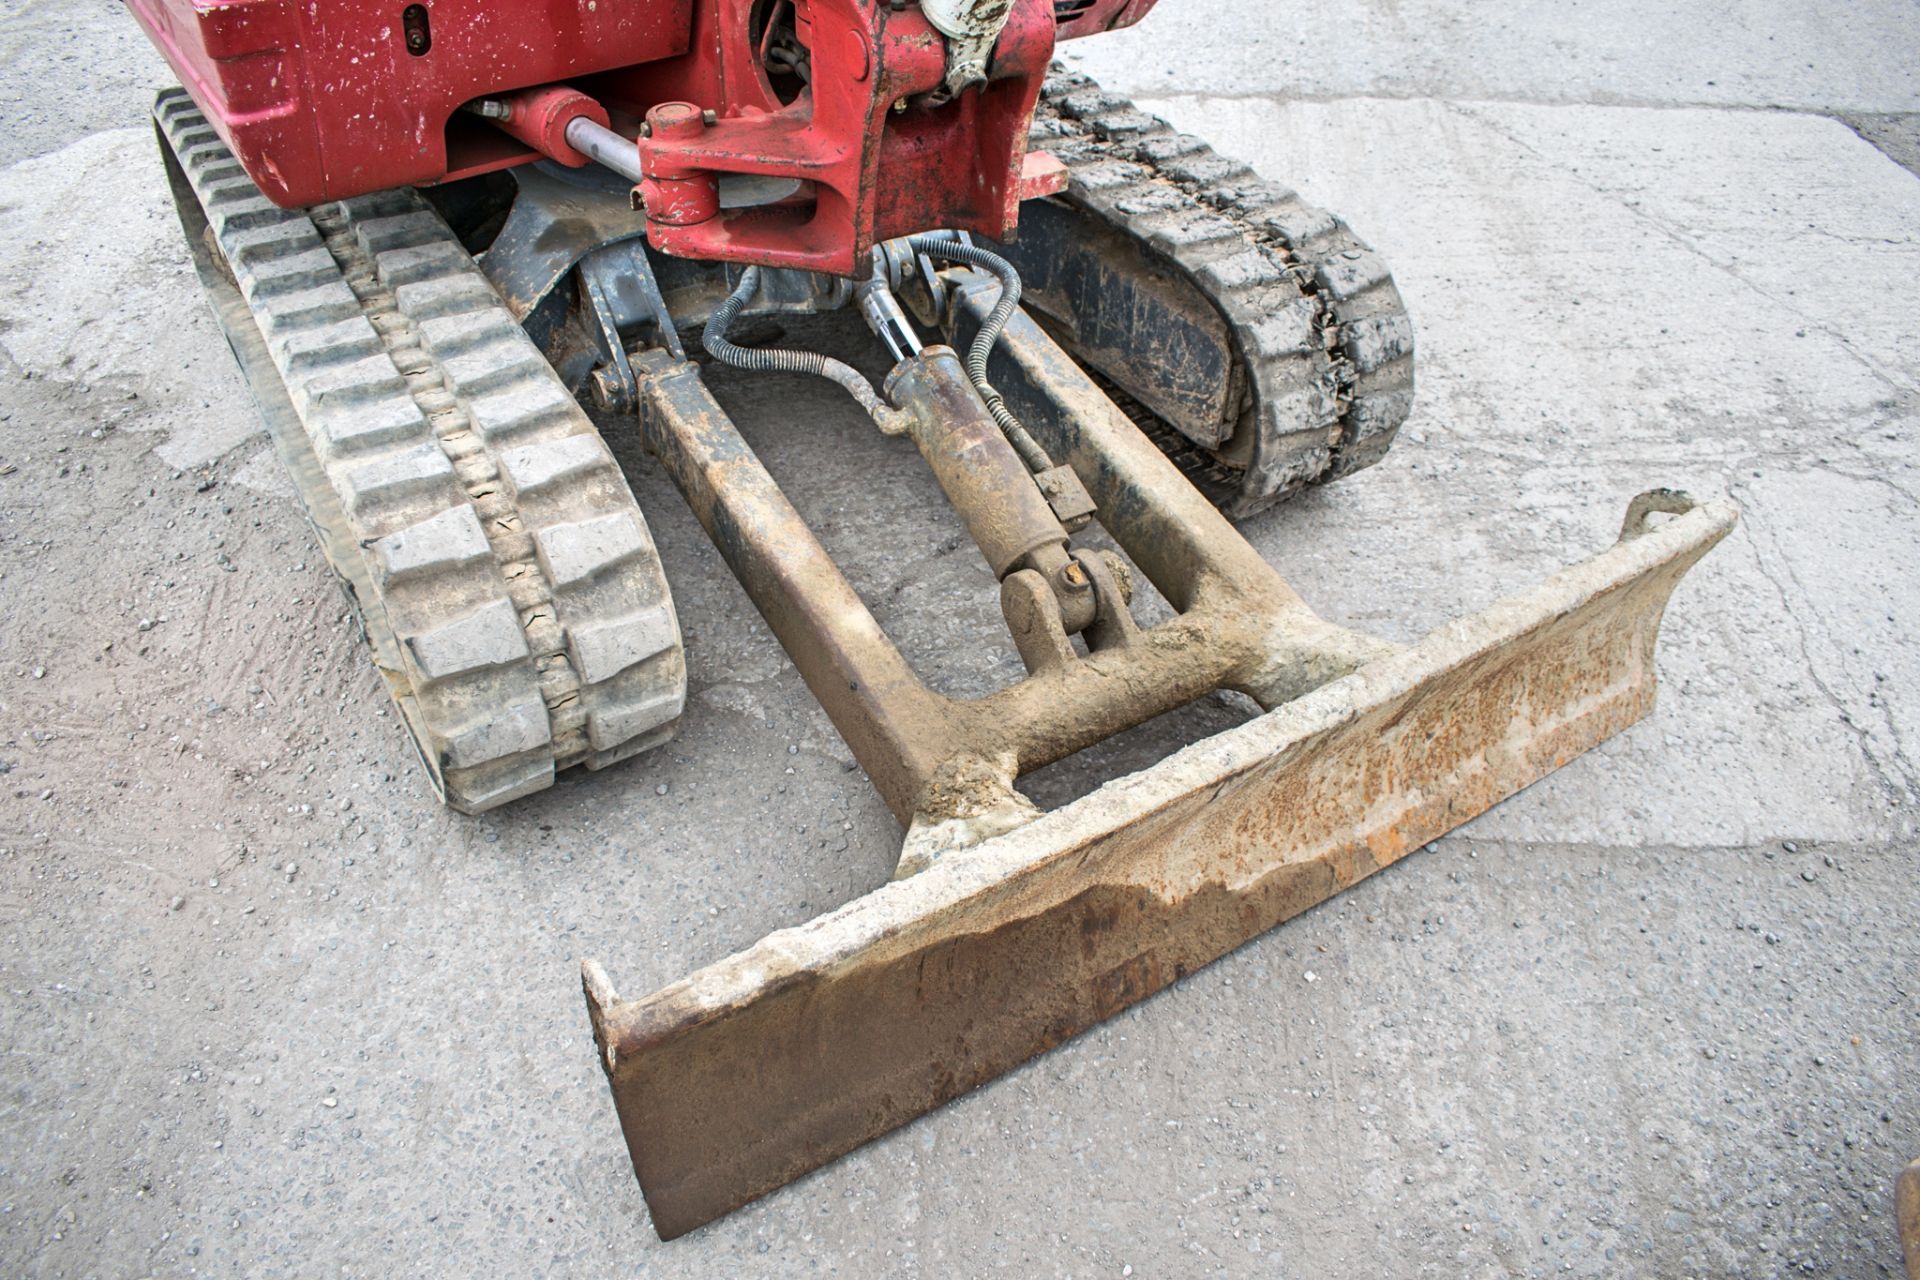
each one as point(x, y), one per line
point(983, 342)
point(777, 360)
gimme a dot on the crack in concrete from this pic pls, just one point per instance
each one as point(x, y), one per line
point(1884, 771)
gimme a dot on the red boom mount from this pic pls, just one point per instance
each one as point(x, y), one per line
point(872, 108)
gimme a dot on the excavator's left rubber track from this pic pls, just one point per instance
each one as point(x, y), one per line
point(506, 580)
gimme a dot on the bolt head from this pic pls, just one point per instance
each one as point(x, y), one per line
point(608, 395)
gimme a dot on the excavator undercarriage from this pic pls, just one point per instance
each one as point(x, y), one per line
point(1118, 328)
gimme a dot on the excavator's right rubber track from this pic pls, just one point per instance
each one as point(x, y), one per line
point(1253, 336)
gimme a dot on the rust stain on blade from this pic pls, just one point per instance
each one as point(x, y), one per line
point(768, 1064)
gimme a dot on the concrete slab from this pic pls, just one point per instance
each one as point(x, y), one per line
point(94, 293)
point(1896, 133)
point(1767, 53)
point(1604, 311)
point(92, 69)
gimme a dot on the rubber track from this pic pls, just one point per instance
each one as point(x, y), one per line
point(1323, 338)
point(509, 560)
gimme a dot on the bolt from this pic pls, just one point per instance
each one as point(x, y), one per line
point(709, 118)
point(609, 391)
point(676, 120)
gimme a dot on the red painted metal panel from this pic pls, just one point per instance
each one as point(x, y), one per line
point(323, 100)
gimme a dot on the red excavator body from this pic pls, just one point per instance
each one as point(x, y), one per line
point(328, 101)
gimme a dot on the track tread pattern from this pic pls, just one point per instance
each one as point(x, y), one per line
point(458, 456)
point(1325, 342)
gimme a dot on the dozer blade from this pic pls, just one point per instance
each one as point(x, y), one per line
point(766, 1065)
